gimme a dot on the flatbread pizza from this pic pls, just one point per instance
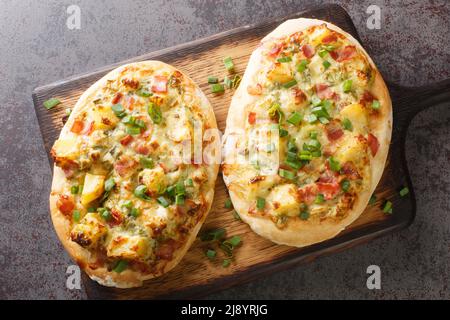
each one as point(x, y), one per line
point(307, 134)
point(127, 200)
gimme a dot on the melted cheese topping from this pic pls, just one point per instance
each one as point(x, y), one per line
point(314, 88)
point(129, 195)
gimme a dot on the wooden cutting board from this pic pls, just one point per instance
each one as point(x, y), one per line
point(196, 275)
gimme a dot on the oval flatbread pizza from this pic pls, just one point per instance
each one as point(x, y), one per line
point(127, 199)
point(307, 134)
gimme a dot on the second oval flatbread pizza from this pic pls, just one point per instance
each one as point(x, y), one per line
point(307, 134)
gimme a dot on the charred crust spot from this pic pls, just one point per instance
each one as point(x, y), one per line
point(81, 239)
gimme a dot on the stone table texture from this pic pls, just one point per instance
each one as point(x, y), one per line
point(411, 48)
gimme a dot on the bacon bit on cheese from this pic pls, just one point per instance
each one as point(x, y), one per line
point(133, 84)
point(299, 96)
point(374, 145)
point(334, 131)
point(126, 140)
point(343, 54)
point(329, 38)
point(65, 204)
point(160, 84)
point(116, 98)
point(308, 50)
point(251, 118)
point(124, 165)
point(307, 194)
point(323, 91)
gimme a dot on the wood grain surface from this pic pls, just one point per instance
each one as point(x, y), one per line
point(196, 275)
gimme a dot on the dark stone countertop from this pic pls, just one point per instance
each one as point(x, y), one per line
point(411, 48)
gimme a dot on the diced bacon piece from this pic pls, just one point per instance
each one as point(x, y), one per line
point(299, 96)
point(350, 171)
point(166, 250)
point(343, 54)
point(124, 165)
point(126, 140)
point(324, 92)
point(116, 98)
point(251, 118)
point(160, 84)
point(329, 190)
point(275, 50)
point(142, 148)
point(333, 131)
point(307, 194)
point(65, 204)
point(373, 143)
point(329, 38)
point(308, 50)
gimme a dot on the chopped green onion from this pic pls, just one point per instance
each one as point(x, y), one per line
point(127, 204)
point(179, 199)
point(313, 134)
point(305, 155)
point(228, 204)
point(347, 124)
point(163, 201)
point(291, 145)
point(236, 81)
point(373, 199)
point(217, 88)
point(387, 208)
point(189, 183)
point(147, 162)
point(283, 132)
point(319, 199)
point(104, 213)
point(109, 184)
point(129, 120)
point(329, 47)
point(334, 164)
point(284, 59)
point(179, 188)
point(289, 84)
point(304, 215)
point(118, 110)
point(320, 112)
point(345, 185)
point(302, 65)
point(211, 254)
point(316, 153)
point(226, 263)
point(143, 93)
point(236, 215)
point(74, 189)
point(316, 101)
point(234, 241)
point(295, 118)
point(294, 164)
point(227, 82)
point(68, 111)
point(171, 191)
point(134, 212)
point(120, 266)
point(212, 80)
point(76, 215)
point(324, 120)
point(311, 118)
point(376, 104)
point(229, 65)
point(326, 64)
point(91, 209)
point(311, 145)
point(51, 103)
point(403, 192)
point(212, 235)
point(286, 174)
point(133, 130)
point(347, 85)
point(154, 112)
point(322, 53)
point(139, 123)
point(141, 192)
point(260, 203)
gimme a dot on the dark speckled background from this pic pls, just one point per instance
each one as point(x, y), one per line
point(412, 48)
